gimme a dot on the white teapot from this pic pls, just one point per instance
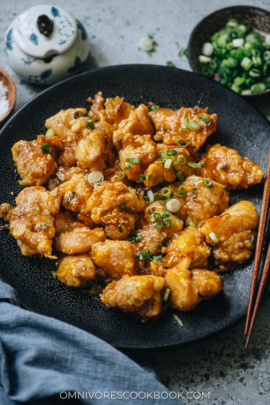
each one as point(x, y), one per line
point(45, 44)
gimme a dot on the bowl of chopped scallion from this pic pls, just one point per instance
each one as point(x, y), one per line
point(232, 46)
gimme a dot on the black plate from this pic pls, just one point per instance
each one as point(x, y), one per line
point(240, 127)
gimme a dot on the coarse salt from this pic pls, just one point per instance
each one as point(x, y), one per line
point(4, 104)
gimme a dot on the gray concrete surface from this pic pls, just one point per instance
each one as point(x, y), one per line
point(219, 366)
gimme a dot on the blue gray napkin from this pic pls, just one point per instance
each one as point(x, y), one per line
point(43, 360)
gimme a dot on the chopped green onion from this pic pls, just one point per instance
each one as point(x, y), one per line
point(166, 192)
point(168, 163)
point(193, 164)
point(121, 175)
point(254, 73)
point(266, 55)
point(171, 152)
point(79, 114)
point(194, 125)
point(149, 177)
point(132, 160)
point(258, 88)
point(155, 107)
point(140, 255)
point(156, 258)
point(158, 244)
point(178, 320)
point(181, 160)
point(204, 59)
point(214, 237)
point(135, 238)
point(142, 177)
point(186, 122)
point(159, 224)
point(194, 192)
point(127, 167)
point(166, 295)
point(204, 119)
point(181, 192)
point(46, 148)
point(164, 202)
point(156, 216)
point(167, 222)
point(246, 92)
point(207, 182)
point(147, 199)
point(184, 145)
point(232, 23)
point(180, 176)
point(91, 123)
point(50, 132)
point(246, 63)
point(192, 224)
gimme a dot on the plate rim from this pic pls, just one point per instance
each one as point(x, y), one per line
point(235, 322)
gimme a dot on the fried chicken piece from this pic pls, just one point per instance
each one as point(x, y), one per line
point(63, 174)
point(117, 110)
point(188, 288)
point(73, 237)
point(200, 202)
point(115, 206)
point(188, 242)
point(33, 164)
point(76, 271)
point(137, 147)
point(32, 220)
point(94, 149)
point(115, 257)
point(158, 173)
point(62, 123)
point(169, 122)
point(137, 294)
point(147, 232)
point(227, 167)
point(236, 230)
point(138, 123)
point(76, 193)
point(114, 111)
point(209, 283)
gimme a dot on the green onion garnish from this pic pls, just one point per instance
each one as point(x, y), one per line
point(149, 177)
point(192, 224)
point(194, 125)
point(181, 160)
point(142, 177)
point(178, 320)
point(204, 119)
point(181, 192)
point(171, 152)
point(156, 248)
point(180, 144)
point(168, 163)
point(164, 202)
point(166, 295)
point(132, 160)
point(194, 192)
point(79, 114)
point(127, 167)
point(186, 122)
point(193, 164)
point(207, 182)
point(214, 237)
point(50, 132)
point(155, 107)
point(135, 238)
point(156, 258)
point(91, 124)
point(180, 176)
point(46, 148)
point(121, 175)
point(166, 192)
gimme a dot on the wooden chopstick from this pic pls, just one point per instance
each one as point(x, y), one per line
point(263, 282)
point(259, 244)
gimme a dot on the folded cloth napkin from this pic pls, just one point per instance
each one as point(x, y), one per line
point(43, 358)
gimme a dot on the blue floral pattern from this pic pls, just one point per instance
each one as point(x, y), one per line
point(82, 29)
point(77, 65)
point(40, 79)
point(65, 27)
point(9, 41)
point(33, 38)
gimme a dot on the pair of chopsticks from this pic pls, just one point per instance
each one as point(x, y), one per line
point(251, 316)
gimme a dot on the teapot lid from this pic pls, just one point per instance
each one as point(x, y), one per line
point(45, 30)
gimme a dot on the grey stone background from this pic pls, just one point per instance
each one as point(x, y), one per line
point(219, 365)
